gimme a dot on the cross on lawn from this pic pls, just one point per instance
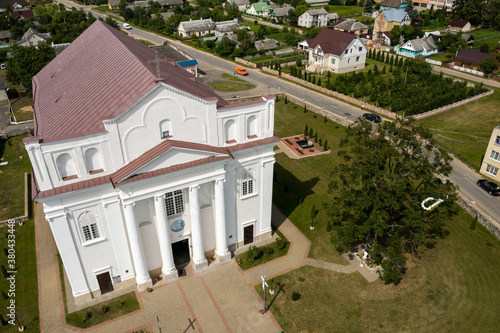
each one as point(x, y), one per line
point(157, 62)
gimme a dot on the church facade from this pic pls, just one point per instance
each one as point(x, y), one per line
point(138, 164)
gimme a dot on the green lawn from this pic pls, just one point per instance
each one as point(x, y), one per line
point(104, 311)
point(452, 288)
point(483, 33)
point(23, 108)
point(26, 285)
point(12, 177)
point(231, 86)
point(344, 11)
point(299, 181)
point(492, 43)
point(146, 42)
point(232, 77)
point(466, 130)
point(441, 56)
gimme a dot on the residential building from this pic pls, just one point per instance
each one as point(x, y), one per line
point(417, 47)
point(265, 44)
point(261, 9)
point(242, 4)
point(279, 14)
point(199, 27)
point(388, 19)
point(113, 4)
point(315, 3)
point(459, 25)
point(351, 25)
point(491, 160)
point(33, 37)
point(393, 4)
point(4, 36)
point(470, 60)
point(22, 14)
point(313, 18)
point(336, 51)
point(166, 4)
point(420, 5)
point(13, 4)
point(156, 172)
point(226, 27)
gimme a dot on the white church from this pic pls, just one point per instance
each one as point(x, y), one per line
point(141, 167)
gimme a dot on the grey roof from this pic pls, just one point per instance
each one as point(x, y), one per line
point(280, 12)
point(288, 7)
point(170, 2)
point(266, 44)
point(58, 48)
point(320, 11)
point(167, 15)
point(333, 16)
point(30, 32)
point(198, 25)
point(350, 25)
point(5, 34)
point(114, 3)
point(395, 15)
point(239, 2)
point(420, 44)
point(227, 26)
point(317, 2)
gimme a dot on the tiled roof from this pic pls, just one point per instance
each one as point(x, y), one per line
point(120, 176)
point(101, 74)
point(22, 13)
point(392, 3)
point(456, 22)
point(472, 56)
point(396, 15)
point(332, 41)
point(350, 25)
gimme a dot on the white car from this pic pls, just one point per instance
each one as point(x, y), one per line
point(126, 26)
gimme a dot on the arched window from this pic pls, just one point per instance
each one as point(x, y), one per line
point(252, 127)
point(90, 226)
point(165, 128)
point(93, 161)
point(247, 184)
point(230, 131)
point(66, 167)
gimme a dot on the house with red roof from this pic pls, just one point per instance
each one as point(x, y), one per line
point(336, 51)
point(141, 168)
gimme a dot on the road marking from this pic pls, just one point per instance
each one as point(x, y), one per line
point(476, 186)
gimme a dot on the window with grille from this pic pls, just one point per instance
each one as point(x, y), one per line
point(90, 226)
point(247, 184)
point(174, 202)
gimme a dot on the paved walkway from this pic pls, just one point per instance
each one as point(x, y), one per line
point(466, 76)
point(221, 298)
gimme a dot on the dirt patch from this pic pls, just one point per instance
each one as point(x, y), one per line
point(26, 109)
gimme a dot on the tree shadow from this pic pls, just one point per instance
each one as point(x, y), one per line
point(280, 290)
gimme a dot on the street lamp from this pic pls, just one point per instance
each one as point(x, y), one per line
point(264, 285)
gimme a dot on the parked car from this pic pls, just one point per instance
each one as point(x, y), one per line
point(126, 26)
point(374, 118)
point(241, 71)
point(489, 187)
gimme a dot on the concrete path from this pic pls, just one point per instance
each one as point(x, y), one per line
point(466, 76)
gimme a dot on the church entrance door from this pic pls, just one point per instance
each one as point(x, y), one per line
point(180, 251)
point(248, 235)
point(105, 283)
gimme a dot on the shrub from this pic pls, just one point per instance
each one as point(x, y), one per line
point(325, 120)
point(325, 146)
point(311, 150)
point(320, 141)
point(305, 108)
point(328, 227)
point(121, 304)
point(289, 142)
point(286, 99)
point(267, 250)
point(473, 224)
point(302, 279)
point(281, 243)
point(490, 244)
point(295, 296)
point(300, 151)
point(254, 253)
point(85, 316)
point(103, 309)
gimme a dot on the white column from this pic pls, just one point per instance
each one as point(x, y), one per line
point(220, 220)
point(141, 270)
point(199, 259)
point(167, 258)
point(69, 254)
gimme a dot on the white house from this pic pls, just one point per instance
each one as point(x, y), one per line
point(33, 37)
point(418, 47)
point(259, 9)
point(199, 27)
point(139, 165)
point(226, 27)
point(313, 18)
point(336, 51)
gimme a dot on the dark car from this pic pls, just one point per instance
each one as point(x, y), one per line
point(489, 187)
point(372, 117)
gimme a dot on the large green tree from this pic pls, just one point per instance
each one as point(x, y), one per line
point(385, 176)
point(471, 10)
point(368, 7)
point(27, 62)
point(411, 11)
point(489, 65)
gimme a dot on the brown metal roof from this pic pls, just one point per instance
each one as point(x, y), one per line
point(332, 41)
point(391, 3)
point(456, 22)
point(472, 57)
point(101, 74)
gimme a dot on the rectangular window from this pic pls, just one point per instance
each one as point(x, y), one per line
point(346, 51)
point(247, 186)
point(333, 61)
point(174, 201)
point(348, 60)
point(491, 170)
point(360, 49)
point(497, 140)
point(90, 229)
point(495, 155)
point(357, 59)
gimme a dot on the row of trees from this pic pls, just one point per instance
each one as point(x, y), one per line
point(478, 12)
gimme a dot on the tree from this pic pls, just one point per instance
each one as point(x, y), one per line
point(489, 65)
point(292, 16)
point(368, 7)
point(382, 182)
point(26, 62)
point(225, 47)
point(412, 13)
point(471, 10)
point(299, 10)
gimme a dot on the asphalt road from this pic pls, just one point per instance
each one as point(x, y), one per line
point(462, 176)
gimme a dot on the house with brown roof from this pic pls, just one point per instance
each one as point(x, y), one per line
point(459, 25)
point(470, 60)
point(393, 4)
point(336, 51)
point(143, 169)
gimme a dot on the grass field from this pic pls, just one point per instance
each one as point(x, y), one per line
point(26, 285)
point(23, 108)
point(466, 130)
point(492, 43)
point(344, 11)
point(298, 180)
point(441, 57)
point(452, 288)
point(12, 177)
point(231, 86)
point(483, 33)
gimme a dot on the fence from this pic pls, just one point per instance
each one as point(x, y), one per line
point(468, 70)
point(485, 222)
point(245, 62)
point(434, 62)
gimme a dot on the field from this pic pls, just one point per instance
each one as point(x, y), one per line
point(483, 33)
point(345, 11)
